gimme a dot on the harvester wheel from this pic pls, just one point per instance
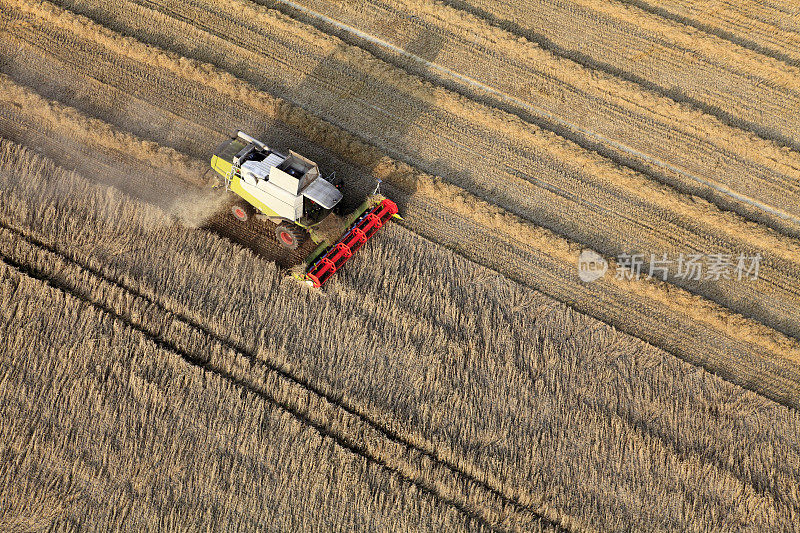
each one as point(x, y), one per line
point(242, 212)
point(289, 235)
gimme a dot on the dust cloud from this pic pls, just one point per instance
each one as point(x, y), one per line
point(195, 208)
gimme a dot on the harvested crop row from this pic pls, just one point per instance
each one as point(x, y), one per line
point(119, 164)
point(69, 79)
point(692, 151)
point(763, 27)
point(105, 428)
point(143, 168)
point(759, 93)
point(627, 379)
point(516, 165)
point(699, 332)
point(175, 108)
point(79, 128)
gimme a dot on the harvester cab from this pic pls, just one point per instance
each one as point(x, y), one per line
point(290, 191)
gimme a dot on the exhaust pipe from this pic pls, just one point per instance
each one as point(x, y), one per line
point(245, 137)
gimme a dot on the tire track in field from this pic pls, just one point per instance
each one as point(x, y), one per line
point(743, 29)
point(749, 116)
point(59, 455)
point(368, 28)
point(143, 392)
point(349, 441)
point(614, 306)
point(781, 308)
point(192, 359)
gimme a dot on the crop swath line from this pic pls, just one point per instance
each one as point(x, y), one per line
point(231, 39)
point(592, 63)
point(657, 337)
point(709, 240)
point(503, 101)
point(272, 367)
point(729, 36)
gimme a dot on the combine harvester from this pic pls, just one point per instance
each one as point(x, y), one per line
point(289, 191)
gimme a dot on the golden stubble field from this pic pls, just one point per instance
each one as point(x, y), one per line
point(159, 371)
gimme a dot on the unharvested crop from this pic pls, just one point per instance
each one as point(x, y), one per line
point(699, 331)
point(236, 328)
point(159, 376)
point(143, 441)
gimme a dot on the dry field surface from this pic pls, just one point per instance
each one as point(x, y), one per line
point(158, 370)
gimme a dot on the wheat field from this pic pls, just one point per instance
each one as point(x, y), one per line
point(161, 372)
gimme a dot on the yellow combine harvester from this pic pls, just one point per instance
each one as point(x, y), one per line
point(290, 191)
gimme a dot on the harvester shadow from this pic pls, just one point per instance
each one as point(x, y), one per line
point(343, 96)
point(357, 182)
